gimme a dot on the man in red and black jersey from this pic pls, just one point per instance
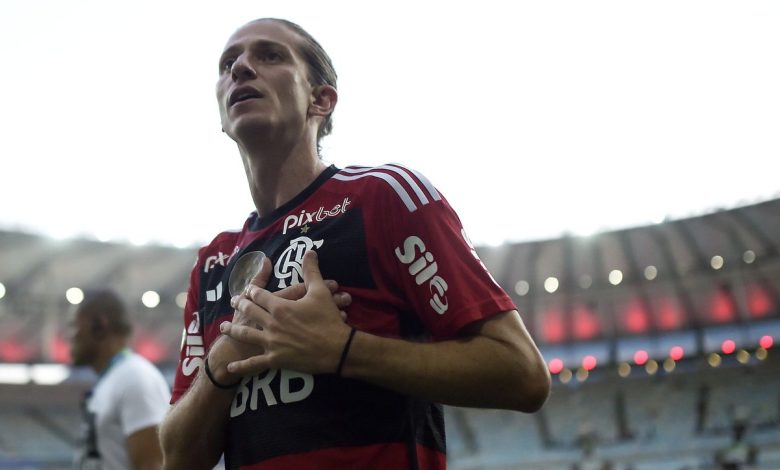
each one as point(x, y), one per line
point(277, 377)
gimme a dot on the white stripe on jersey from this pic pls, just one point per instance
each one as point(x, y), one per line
point(389, 179)
point(400, 171)
point(431, 189)
point(404, 173)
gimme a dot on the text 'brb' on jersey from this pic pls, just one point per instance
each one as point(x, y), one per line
point(393, 242)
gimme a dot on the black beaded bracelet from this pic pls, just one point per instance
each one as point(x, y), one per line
point(345, 351)
point(214, 382)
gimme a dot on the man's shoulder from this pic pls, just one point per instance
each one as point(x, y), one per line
point(137, 362)
point(224, 242)
point(392, 180)
point(137, 366)
point(226, 236)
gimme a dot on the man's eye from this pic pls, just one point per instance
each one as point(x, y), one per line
point(272, 57)
point(227, 64)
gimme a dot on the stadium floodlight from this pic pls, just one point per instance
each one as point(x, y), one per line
point(640, 357)
point(651, 272)
point(551, 284)
point(74, 295)
point(150, 299)
point(714, 360)
point(716, 262)
point(555, 366)
point(589, 362)
point(749, 256)
point(743, 356)
point(651, 367)
point(522, 288)
point(676, 353)
point(615, 277)
point(2, 290)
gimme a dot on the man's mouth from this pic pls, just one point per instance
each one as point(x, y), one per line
point(243, 94)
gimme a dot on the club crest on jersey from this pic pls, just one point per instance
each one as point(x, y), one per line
point(289, 266)
point(293, 221)
point(422, 265)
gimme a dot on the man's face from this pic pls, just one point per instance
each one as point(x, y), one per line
point(83, 344)
point(263, 81)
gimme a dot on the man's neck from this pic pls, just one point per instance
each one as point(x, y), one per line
point(276, 177)
point(103, 360)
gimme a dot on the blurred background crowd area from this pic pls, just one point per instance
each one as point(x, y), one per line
point(661, 341)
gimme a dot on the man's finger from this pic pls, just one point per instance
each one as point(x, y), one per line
point(262, 277)
point(250, 310)
point(250, 366)
point(342, 299)
point(262, 298)
point(292, 293)
point(244, 334)
point(311, 270)
point(332, 285)
point(297, 291)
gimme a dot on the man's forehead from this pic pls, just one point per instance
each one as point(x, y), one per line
point(268, 30)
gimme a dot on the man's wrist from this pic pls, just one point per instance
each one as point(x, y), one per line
point(345, 351)
point(220, 383)
point(215, 366)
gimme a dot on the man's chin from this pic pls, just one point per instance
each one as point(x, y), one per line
point(248, 128)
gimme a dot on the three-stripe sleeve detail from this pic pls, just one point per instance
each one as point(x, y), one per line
point(391, 174)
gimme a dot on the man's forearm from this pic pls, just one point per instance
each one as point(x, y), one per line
point(143, 448)
point(495, 363)
point(482, 371)
point(193, 433)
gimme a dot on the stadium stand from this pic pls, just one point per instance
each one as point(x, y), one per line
point(660, 339)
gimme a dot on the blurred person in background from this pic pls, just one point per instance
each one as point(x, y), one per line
point(276, 382)
point(740, 454)
point(124, 408)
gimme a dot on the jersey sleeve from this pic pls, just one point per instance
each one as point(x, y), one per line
point(438, 270)
point(192, 344)
point(144, 401)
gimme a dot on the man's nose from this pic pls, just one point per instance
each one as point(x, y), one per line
point(242, 69)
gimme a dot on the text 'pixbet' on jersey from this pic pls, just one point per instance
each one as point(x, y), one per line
point(319, 215)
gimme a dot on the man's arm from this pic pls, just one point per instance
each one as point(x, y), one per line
point(193, 433)
point(143, 446)
point(494, 364)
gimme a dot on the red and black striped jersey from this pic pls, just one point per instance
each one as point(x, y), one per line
point(392, 241)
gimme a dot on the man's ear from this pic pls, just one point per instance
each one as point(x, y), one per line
point(323, 100)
